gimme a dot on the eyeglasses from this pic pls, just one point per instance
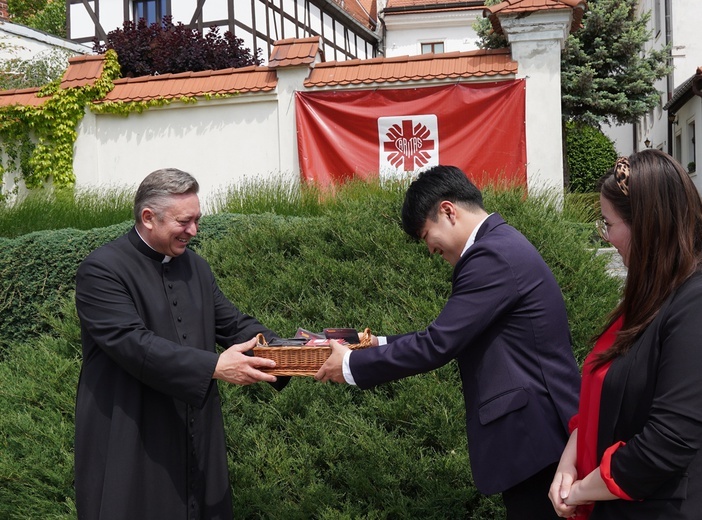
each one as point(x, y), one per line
point(602, 229)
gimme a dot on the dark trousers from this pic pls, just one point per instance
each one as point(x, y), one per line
point(529, 500)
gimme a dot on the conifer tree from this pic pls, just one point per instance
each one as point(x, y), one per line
point(607, 75)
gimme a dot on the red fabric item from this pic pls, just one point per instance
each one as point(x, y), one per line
point(478, 127)
point(588, 418)
point(606, 471)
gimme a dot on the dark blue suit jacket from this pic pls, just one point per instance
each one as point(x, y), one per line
point(505, 323)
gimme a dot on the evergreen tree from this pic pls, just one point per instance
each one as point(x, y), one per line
point(606, 74)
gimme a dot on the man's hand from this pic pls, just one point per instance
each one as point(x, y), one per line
point(236, 367)
point(331, 369)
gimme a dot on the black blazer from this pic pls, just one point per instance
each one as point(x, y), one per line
point(505, 323)
point(652, 401)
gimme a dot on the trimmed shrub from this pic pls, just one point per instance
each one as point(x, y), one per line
point(589, 154)
point(313, 450)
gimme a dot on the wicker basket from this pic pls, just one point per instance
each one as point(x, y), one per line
point(300, 360)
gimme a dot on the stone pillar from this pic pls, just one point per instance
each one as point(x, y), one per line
point(536, 40)
point(290, 80)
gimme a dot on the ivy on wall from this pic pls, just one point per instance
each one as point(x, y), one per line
point(124, 108)
point(38, 140)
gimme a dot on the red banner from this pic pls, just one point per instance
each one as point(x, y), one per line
point(478, 127)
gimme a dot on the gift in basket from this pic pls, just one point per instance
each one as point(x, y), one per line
point(305, 354)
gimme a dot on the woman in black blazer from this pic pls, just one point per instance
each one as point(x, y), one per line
point(634, 450)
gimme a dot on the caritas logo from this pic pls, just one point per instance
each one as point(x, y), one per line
point(407, 144)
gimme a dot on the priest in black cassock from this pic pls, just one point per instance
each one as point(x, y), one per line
point(149, 438)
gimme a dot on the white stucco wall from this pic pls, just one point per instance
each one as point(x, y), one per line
point(224, 142)
point(110, 16)
point(406, 32)
point(687, 44)
point(623, 137)
point(690, 113)
point(220, 142)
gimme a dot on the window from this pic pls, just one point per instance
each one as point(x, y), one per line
point(152, 11)
point(432, 47)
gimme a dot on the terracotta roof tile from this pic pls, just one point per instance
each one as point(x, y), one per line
point(371, 7)
point(292, 52)
point(357, 11)
point(482, 63)
point(25, 96)
point(531, 6)
point(82, 70)
point(171, 86)
point(473, 64)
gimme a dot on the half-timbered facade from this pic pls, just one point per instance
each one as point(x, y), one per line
point(347, 27)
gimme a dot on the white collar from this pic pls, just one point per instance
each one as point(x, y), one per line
point(471, 238)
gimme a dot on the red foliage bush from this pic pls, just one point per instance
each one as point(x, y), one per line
point(146, 50)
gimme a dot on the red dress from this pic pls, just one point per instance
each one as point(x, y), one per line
point(587, 420)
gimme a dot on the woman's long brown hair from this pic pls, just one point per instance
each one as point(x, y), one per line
point(664, 213)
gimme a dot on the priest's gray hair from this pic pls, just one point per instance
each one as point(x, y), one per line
point(159, 186)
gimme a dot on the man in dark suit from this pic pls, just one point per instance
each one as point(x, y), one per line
point(505, 323)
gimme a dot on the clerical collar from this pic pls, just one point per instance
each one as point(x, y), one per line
point(138, 241)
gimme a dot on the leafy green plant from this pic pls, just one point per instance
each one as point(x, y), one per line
point(39, 140)
point(43, 68)
point(60, 208)
point(46, 15)
point(589, 154)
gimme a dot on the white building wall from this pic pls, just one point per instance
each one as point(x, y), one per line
point(220, 142)
point(687, 43)
point(689, 151)
point(110, 15)
point(622, 136)
point(406, 32)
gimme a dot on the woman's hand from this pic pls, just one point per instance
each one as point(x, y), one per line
point(560, 490)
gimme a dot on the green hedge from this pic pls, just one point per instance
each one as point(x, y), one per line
point(589, 154)
point(313, 450)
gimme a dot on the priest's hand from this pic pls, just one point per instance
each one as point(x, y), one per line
point(332, 369)
point(236, 367)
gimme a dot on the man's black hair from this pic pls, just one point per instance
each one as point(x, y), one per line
point(431, 188)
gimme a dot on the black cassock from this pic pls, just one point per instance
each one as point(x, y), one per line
point(149, 431)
